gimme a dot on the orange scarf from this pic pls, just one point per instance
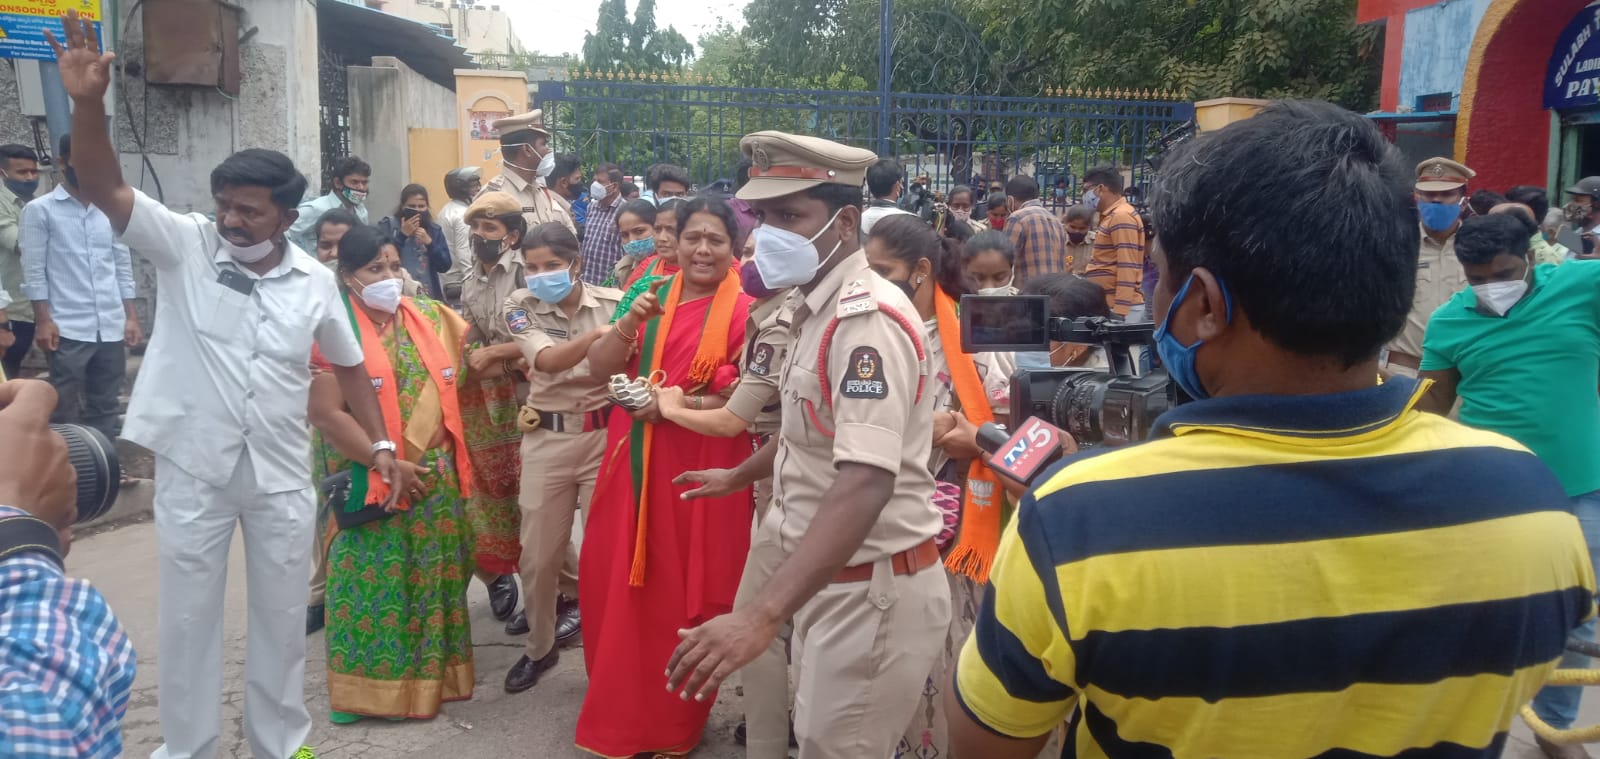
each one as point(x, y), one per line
point(709, 355)
point(441, 368)
point(979, 539)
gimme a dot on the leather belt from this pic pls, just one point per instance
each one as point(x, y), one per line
point(907, 562)
point(1402, 358)
point(588, 421)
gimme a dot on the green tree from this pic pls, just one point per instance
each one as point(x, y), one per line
point(1204, 48)
point(619, 44)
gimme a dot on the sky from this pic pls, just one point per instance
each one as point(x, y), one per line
point(554, 28)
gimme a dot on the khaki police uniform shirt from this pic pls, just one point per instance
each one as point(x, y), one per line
point(538, 202)
point(766, 347)
point(484, 295)
point(867, 407)
point(1439, 276)
point(536, 325)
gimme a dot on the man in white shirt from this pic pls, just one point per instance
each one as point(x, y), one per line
point(221, 402)
point(462, 186)
point(885, 180)
point(7, 337)
point(80, 281)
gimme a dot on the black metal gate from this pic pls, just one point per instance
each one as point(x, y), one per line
point(333, 98)
point(639, 120)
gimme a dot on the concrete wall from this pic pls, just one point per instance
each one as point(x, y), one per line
point(1434, 54)
point(186, 130)
point(387, 101)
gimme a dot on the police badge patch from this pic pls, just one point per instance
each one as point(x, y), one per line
point(863, 377)
point(761, 360)
point(517, 321)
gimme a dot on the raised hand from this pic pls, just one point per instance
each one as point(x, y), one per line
point(648, 305)
point(85, 71)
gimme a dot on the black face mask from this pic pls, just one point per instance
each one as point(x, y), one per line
point(488, 250)
point(71, 177)
point(905, 287)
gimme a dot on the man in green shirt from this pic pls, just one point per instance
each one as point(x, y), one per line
point(1521, 348)
point(19, 179)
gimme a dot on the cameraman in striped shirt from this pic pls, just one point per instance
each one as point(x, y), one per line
point(1298, 563)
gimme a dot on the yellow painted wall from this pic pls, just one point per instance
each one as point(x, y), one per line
point(433, 154)
point(480, 91)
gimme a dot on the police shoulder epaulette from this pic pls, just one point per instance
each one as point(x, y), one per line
point(856, 299)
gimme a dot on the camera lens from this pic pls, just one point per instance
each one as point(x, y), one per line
point(99, 471)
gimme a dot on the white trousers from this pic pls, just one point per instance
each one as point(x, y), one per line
point(194, 524)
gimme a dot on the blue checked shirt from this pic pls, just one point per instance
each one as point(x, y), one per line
point(602, 241)
point(72, 260)
point(66, 666)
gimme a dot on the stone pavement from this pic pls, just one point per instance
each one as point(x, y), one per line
point(121, 562)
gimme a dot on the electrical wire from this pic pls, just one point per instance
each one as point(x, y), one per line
point(127, 107)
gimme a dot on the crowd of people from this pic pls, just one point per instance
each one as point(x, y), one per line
point(759, 410)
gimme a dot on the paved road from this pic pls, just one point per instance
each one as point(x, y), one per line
point(493, 725)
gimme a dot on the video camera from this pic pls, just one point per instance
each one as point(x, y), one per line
point(1097, 407)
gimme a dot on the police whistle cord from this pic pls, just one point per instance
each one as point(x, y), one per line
point(1572, 677)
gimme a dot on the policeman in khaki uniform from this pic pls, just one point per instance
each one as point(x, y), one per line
point(1441, 182)
point(852, 510)
point(756, 406)
point(528, 158)
point(564, 428)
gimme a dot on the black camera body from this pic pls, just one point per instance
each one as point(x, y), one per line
point(1098, 407)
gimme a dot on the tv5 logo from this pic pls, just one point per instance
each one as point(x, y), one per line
point(1029, 446)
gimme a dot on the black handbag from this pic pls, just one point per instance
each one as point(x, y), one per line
point(336, 494)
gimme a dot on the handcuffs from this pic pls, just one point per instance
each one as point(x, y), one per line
point(635, 393)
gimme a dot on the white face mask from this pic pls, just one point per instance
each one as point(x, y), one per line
point(785, 259)
point(1498, 297)
point(1006, 289)
point(547, 165)
point(248, 254)
point(383, 295)
point(597, 190)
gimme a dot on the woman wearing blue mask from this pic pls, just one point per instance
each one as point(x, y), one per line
point(636, 231)
point(553, 321)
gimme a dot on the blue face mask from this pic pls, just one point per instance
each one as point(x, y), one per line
point(1033, 360)
point(551, 286)
point(1179, 358)
point(1438, 217)
point(640, 248)
point(23, 188)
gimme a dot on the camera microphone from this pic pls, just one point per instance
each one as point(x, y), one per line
point(1021, 456)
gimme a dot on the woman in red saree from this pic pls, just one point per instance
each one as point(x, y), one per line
point(652, 563)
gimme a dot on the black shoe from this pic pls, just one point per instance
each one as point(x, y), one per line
point(526, 672)
point(569, 623)
point(518, 625)
point(742, 734)
point(503, 597)
point(316, 618)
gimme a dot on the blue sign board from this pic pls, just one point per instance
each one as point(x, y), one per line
point(22, 25)
point(1573, 79)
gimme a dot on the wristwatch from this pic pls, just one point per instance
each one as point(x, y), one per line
point(384, 445)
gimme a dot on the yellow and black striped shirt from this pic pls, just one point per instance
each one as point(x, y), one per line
point(1282, 577)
